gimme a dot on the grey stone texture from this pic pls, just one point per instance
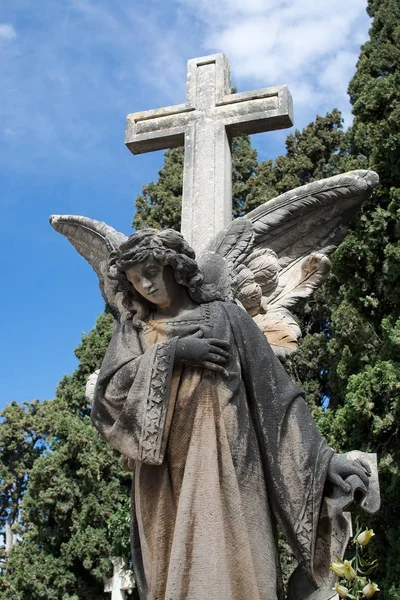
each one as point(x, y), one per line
point(205, 125)
point(192, 395)
point(221, 441)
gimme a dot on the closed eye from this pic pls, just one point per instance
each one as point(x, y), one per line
point(152, 272)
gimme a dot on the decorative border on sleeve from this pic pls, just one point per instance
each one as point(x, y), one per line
point(303, 528)
point(157, 403)
point(307, 523)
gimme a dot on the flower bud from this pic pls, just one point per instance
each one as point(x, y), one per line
point(341, 590)
point(364, 537)
point(370, 589)
point(348, 571)
point(337, 567)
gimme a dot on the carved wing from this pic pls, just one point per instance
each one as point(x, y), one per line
point(277, 253)
point(94, 240)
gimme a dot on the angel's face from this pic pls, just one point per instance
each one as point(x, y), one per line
point(155, 282)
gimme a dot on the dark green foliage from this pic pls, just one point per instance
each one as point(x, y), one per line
point(360, 369)
point(71, 389)
point(66, 490)
point(311, 154)
point(244, 168)
point(159, 205)
point(22, 442)
point(374, 93)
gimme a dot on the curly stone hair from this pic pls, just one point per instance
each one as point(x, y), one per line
point(168, 248)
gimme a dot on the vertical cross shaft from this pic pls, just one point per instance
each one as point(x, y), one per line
point(207, 175)
point(205, 125)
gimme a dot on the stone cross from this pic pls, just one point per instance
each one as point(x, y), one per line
point(205, 125)
point(121, 581)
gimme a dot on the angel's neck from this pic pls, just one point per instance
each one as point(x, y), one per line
point(177, 304)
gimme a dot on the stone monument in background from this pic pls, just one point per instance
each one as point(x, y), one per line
point(121, 584)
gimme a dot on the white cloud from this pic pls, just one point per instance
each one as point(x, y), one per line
point(9, 132)
point(7, 32)
point(311, 46)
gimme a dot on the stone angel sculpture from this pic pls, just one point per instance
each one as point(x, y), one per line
point(222, 444)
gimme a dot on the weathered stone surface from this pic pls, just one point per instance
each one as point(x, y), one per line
point(205, 125)
point(192, 396)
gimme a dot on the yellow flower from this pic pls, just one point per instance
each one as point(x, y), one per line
point(370, 589)
point(364, 537)
point(337, 567)
point(341, 590)
point(348, 571)
point(343, 569)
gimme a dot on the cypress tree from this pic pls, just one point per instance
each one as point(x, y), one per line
point(364, 372)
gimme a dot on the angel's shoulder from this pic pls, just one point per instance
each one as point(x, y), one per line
point(126, 328)
point(233, 310)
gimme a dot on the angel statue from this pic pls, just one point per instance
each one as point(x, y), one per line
point(220, 440)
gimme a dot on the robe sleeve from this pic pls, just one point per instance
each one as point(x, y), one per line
point(133, 402)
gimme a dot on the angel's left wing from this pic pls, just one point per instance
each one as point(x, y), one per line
point(94, 240)
point(277, 254)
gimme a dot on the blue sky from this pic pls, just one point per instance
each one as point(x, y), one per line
point(70, 72)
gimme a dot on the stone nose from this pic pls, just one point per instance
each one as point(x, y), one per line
point(147, 284)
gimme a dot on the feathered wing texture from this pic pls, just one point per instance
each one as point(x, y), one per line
point(234, 241)
point(311, 217)
point(94, 240)
point(281, 258)
point(298, 282)
point(221, 262)
point(281, 330)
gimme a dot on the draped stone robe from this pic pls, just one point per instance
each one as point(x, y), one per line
point(218, 459)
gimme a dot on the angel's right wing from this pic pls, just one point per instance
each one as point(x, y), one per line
point(277, 253)
point(94, 240)
point(312, 217)
point(305, 225)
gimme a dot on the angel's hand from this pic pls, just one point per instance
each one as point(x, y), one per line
point(209, 353)
point(341, 467)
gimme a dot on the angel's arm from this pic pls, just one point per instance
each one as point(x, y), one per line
point(133, 399)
